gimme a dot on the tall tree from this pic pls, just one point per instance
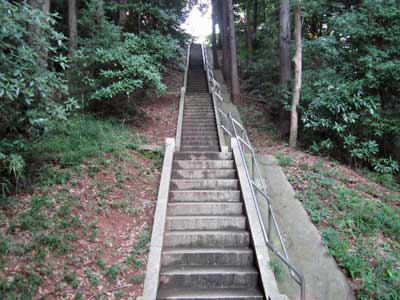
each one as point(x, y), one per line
point(284, 60)
point(284, 41)
point(232, 44)
point(255, 22)
point(72, 25)
point(214, 36)
point(44, 6)
point(122, 12)
point(297, 76)
point(249, 33)
point(225, 42)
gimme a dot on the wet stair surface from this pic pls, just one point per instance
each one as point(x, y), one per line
point(207, 252)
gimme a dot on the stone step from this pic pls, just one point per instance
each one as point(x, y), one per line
point(196, 116)
point(200, 148)
point(207, 256)
point(206, 223)
point(206, 124)
point(204, 174)
point(195, 98)
point(203, 156)
point(202, 164)
point(200, 94)
point(204, 184)
point(191, 126)
point(210, 127)
point(204, 196)
point(210, 294)
point(210, 277)
point(200, 143)
point(210, 138)
point(195, 112)
point(199, 111)
point(199, 118)
point(200, 135)
point(204, 208)
point(192, 90)
point(196, 105)
point(198, 123)
point(207, 238)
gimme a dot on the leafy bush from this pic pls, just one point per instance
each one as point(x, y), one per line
point(112, 65)
point(31, 94)
point(350, 96)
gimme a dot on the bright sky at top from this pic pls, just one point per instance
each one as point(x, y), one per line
point(199, 23)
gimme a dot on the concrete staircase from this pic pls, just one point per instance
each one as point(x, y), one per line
point(207, 251)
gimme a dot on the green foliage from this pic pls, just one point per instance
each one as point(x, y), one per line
point(112, 65)
point(31, 94)
point(351, 86)
point(358, 231)
point(350, 104)
point(83, 136)
point(284, 160)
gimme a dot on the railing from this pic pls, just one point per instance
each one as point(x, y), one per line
point(233, 128)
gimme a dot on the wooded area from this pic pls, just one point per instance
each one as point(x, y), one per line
point(115, 52)
point(332, 82)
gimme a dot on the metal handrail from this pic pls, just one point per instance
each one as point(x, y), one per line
point(234, 129)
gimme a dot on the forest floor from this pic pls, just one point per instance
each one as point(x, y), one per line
point(356, 211)
point(82, 229)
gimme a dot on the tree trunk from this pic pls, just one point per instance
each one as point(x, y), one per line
point(255, 23)
point(72, 25)
point(297, 78)
point(214, 37)
point(232, 44)
point(218, 11)
point(44, 6)
point(284, 41)
point(225, 43)
point(284, 61)
point(122, 12)
point(249, 33)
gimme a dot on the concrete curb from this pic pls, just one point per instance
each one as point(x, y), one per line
point(267, 276)
point(221, 137)
point(157, 237)
point(180, 119)
point(182, 103)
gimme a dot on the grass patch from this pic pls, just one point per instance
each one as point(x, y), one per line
point(67, 144)
point(40, 232)
point(45, 228)
point(284, 160)
point(361, 232)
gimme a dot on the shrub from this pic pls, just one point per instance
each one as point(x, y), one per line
point(111, 65)
point(31, 94)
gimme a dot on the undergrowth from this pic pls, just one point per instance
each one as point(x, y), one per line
point(41, 231)
point(360, 226)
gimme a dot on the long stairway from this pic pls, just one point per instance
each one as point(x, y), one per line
point(207, 252)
